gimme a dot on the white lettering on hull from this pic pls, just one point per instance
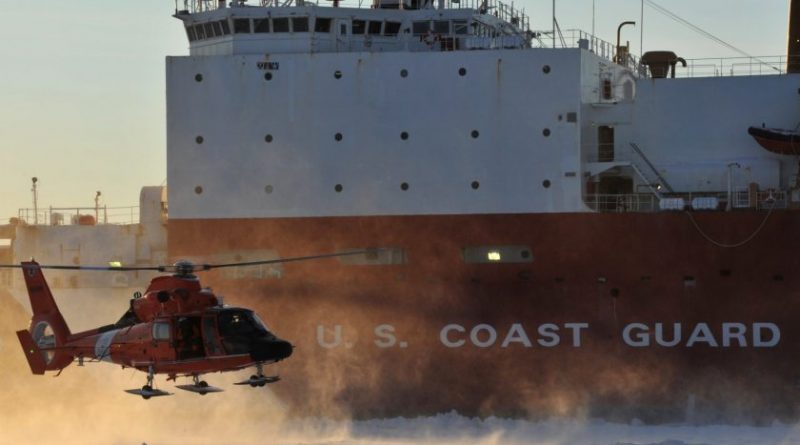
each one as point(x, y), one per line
point(550, 335)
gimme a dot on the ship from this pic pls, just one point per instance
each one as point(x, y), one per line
point(553, 226)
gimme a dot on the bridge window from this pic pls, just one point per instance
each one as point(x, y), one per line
point(261, 25)
point(322, 25)
point(460, 27)
point(441, 27)
point(190, 34)
point(200, 32)
point(209, 30)
point(217, 29)
point(280, 25)
point(391, 28)
point(374, 28)
point(241, 26)
point(359, 26)
point(300, 24)
point(421, 28)
point(226, 27)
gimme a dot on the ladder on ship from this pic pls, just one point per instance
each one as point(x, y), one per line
point(648, 172)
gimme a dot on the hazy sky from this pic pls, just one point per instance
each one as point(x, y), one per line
point(82, 100)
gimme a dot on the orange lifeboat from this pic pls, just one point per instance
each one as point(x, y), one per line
point(782, 142)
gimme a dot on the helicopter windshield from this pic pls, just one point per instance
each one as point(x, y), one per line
point(240, 322)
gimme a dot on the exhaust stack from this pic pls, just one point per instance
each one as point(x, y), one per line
point(793, 54)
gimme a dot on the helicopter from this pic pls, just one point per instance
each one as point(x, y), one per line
point(177, 328)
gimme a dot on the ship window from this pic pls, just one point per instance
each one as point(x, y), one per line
point(190, 34)
point(261, 25)
point(217, 29)
point(421, 28)
point(391, 28)
point(198, 30)
point(460, 27)
point(209, 30)
point(300, 24)
point(322, 25)
point(241, 26)
point(226, 27)
point(359, 26)
point(374, 28)
point(441, 27)
point(497, 254)
point(280, 25)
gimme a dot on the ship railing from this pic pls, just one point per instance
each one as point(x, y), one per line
point(648, 202)
point(734, 66)
point(506, 12)
point(63, 216)
point(576, 38)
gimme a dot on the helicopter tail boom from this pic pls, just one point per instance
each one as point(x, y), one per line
point(48, 328)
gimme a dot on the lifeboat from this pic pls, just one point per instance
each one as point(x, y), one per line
point(782, 142)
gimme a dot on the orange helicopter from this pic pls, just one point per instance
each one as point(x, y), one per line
point(176, 328)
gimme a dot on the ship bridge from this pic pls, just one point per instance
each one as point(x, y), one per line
point(298, 26)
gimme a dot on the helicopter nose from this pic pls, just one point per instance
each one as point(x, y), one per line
point(271, 350)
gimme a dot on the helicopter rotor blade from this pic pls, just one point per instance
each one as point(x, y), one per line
point(288, 260)
point(193, 268)
point(100, 268)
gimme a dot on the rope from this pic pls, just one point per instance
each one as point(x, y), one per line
point(739, 244)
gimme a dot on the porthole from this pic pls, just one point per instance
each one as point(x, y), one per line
point(546, 69)
point(462, 71)
point(268, 189)
point(338, 188)
point(198, 77)
point(337, 74)
point(404, 186)
point(525, 254)
point(560, 117)
point(404, 73)
point(404, 135)
point(475, 185)
point(546, 183)
point(546, 132)
point(267, 76)
point(614, 292)
point(199, 139)
point(268, 138)
point(198, 190)
point(475, 134)
point(338, 136)
point(777, 277)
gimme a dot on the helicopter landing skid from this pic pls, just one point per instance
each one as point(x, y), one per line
point(146, 392)
point(259, 380)
point(202, 390)
point(199, 387)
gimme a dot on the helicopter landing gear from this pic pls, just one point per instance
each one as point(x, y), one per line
point(147, 390)
point(199, 386)
point(259, 379)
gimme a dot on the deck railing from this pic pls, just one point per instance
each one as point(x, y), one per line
point(58, 216)
point(647, 202)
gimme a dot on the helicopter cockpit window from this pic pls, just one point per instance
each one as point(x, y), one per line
point(234, 323)
point(160, 331)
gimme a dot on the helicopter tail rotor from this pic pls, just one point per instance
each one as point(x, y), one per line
point(48, 330)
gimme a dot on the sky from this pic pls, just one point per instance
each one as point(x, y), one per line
point(82, 83)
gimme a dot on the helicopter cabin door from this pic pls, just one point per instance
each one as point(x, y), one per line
point(189, 341)
point(211, 336)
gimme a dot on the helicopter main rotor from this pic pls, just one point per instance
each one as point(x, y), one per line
point(185, 268)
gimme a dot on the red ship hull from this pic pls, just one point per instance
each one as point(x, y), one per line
point(586, 327)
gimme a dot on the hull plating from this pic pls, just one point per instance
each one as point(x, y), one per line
point(610, 315)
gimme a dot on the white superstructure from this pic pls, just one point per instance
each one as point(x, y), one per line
point(302, 110)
